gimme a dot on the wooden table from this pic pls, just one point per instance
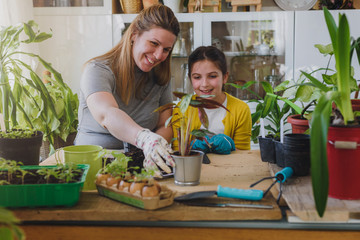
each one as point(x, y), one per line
point(96, 217)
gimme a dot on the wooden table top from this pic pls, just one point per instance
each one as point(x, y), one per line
point(237, 170)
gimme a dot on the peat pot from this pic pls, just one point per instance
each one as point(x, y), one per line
point(343, 153)
point(25, 150)
point(188, 168)
point(297, 153)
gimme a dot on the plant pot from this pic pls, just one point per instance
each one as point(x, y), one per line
point(85, 154)
point(343, 163)
point(25, 150)
point(297, 153)
point(279, 153)
point(298, 124)
point(188, 168)
point(267, 149)
point(42, 195)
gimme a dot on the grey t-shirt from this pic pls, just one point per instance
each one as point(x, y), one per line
point(98, 77)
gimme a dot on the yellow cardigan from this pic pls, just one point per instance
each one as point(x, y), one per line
point(237, 122)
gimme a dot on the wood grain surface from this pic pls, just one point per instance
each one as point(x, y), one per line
point(237, 170)
point(297, 192)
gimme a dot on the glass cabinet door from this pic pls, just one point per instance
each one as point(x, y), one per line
point(189, 38)
point(72, 7)
point(258, 46)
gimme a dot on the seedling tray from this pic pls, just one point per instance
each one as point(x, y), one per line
point(42, 195)
point(165, 198)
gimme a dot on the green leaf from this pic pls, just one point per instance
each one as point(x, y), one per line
point(42, 37)
point(325, 49)
point(267, 87)
point(29, 32)
point(268, 105)
point(184, 103)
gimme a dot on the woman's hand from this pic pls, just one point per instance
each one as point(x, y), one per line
point(156, 151)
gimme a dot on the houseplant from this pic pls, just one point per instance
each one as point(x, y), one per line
point(323, 168)
point(182, 120)
point(25, 100)
point(33, 186)
point(267, 108)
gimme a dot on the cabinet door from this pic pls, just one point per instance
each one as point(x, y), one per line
point(72, 7)
point(258, 46)
point(311, 29)
point(76, 39)
point(189, 38)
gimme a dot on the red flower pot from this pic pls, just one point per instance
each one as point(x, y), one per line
point(344, 164)
point(298, 124)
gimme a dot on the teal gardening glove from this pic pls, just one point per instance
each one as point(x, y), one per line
point(201, 145)
point(222, 144)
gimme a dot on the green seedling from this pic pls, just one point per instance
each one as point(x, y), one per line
point(48, 172)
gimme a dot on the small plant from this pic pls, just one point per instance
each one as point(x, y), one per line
point(68, 172)
point(23, 173)
point(185, 111)
point(18, 133)
point(48, 173)
point(10, 167)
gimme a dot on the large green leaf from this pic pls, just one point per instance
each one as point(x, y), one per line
point(318, 145)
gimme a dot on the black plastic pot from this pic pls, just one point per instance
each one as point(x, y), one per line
point(25, 150)
point(267, 149)
point(297, 153)
point(279, 153)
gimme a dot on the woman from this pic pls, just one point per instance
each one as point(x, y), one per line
point(120, 90)
point(208, 74)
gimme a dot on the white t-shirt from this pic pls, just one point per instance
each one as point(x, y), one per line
point(215, 117)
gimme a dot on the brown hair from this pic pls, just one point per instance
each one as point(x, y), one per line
point(120, 57)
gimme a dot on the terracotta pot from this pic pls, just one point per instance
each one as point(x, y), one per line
point(344, 162)
point(298, 124)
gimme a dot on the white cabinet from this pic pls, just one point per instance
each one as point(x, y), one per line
point(75, 40)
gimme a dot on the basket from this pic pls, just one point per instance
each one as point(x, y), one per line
point(131, 6)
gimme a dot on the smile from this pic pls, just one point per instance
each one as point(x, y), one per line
point(150, 61)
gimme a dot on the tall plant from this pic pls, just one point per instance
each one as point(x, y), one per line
point(24, 99)
point(338, 93)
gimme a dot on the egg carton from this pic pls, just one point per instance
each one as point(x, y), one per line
point(164, 199)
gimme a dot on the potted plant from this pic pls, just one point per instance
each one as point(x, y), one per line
point(25, 100)
point(184, 113)
point(267, 108)
point(35, 186)
point(330, 174)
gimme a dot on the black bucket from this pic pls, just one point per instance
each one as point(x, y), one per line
point(297, 153)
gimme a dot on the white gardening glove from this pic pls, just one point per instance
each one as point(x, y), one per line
point(156, 150)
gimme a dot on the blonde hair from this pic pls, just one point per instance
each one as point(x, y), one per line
point(120, 57)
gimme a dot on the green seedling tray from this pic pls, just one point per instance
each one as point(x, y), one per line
point(42, 195)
